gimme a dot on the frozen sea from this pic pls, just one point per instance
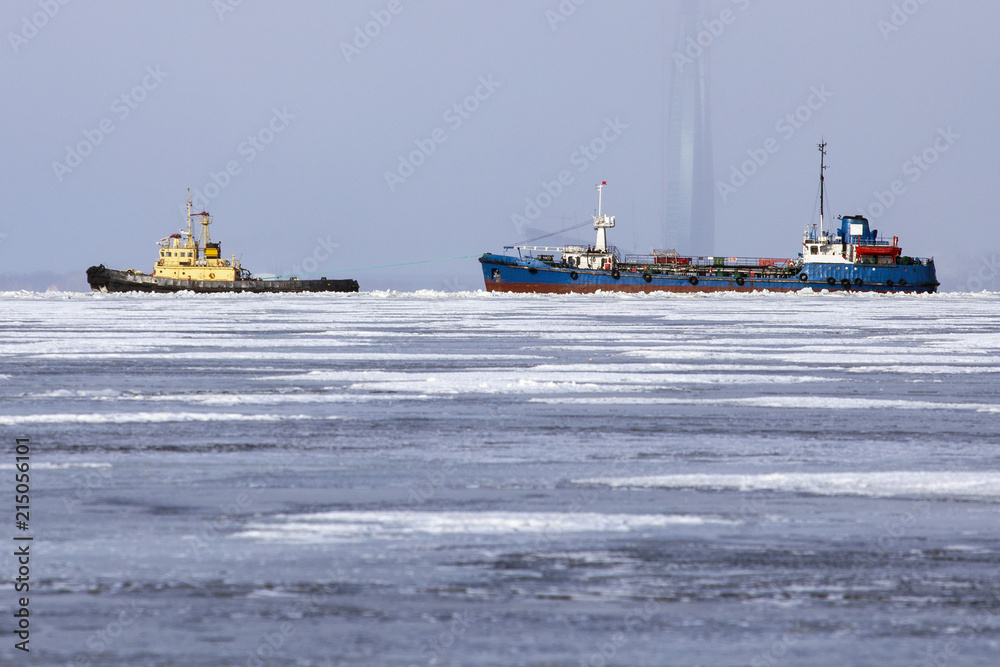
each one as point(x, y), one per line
point(473, 479)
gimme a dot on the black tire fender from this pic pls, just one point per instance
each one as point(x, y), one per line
point(693, 280)
point(740, 281)
point(532, 270)
point(831, 281)
point(574, 275)
point(648, 278)
point(803, 277)
point(616, 274)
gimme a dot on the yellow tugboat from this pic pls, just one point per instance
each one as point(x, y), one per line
point(196, 265)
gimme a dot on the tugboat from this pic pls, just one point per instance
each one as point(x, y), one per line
point(851, 258)
point(196, 265)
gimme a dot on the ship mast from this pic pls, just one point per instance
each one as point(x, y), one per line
point(206, 220)
point(602, 222)
point(822, 183)
point(190, 235)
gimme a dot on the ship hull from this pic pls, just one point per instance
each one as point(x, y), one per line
point(102, 279)
point(513, 274)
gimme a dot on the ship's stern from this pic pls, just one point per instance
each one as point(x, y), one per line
point(97, 278)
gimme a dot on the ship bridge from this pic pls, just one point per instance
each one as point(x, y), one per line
point(597, 257)
point(854, 242)
point(184, 256)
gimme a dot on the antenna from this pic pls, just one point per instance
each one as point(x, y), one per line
point(822, 182)
point(600, 187)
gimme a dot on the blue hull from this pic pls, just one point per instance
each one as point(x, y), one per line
point(513, 274)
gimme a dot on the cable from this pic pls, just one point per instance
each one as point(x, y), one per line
point(568, 229)
point(383, 266)
point(432, 261)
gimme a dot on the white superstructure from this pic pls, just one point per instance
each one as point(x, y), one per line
point(601, 255)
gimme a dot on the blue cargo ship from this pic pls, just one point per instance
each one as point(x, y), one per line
point(852, 257)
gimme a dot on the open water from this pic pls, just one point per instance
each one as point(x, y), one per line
point(455, 479)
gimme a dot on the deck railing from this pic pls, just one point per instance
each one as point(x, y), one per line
point(662, 262)
point(530, 250)
point(666, 263)
point(853, 240)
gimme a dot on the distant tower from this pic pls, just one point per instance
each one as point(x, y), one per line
point(689, 207)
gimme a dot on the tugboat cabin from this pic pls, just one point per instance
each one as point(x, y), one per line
point(188, 258)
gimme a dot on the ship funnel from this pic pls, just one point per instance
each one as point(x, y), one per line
point(854, 225)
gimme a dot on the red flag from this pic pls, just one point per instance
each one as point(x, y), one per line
point(604, 182)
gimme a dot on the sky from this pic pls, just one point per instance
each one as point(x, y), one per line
point(333, 137)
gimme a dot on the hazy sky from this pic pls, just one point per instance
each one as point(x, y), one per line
point(112, 109)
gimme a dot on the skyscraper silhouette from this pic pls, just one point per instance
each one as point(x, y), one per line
point(689, 192)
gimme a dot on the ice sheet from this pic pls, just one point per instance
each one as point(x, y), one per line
point(332, 526)
point(948, 484)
